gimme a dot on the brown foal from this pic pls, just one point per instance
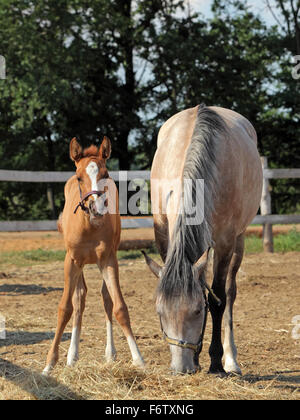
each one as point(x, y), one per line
point(92, 236)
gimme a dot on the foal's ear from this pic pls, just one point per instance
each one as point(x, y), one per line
point(105, 148)
point(75, 150)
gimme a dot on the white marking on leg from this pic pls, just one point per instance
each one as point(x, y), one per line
point(110, 351)
point(47, 370)
point(230, 353)
point(73, 352)
point(136, 355)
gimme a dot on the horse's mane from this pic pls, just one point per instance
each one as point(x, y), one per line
point(189, 242)
point(91, 151)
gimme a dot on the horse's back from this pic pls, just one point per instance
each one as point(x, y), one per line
point(238, 163)
point(237, 123)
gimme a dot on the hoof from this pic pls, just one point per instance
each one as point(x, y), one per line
point(233, 369)
point(72, 359)
point(47, 370)
point(139, 363)
point(231, 366)
point(110, 356)
point(218, 371)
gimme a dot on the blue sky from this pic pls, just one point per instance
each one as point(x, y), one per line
point(258, 7)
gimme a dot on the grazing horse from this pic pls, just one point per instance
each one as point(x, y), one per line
point(91, 227)
point(219, 146)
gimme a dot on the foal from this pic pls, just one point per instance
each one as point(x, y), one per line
point(91, 236)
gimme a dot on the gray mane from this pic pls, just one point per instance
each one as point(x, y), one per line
point(189, 242)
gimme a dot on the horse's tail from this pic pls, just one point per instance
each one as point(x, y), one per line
point(59, 224)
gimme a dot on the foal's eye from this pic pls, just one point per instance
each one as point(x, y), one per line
point(198, 312)
point(78, 179)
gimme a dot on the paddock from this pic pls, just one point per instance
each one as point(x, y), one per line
point(266, 331)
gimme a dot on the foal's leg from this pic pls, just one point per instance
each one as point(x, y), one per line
point(222, 259)
point(72, 273)
point(110, 351)
point(78, 305)
point(230, 352)
point(120, 311)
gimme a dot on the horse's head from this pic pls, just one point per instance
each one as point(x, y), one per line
point(183, 317)
point(92, 176)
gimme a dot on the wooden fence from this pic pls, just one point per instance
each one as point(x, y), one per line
point(266, 218)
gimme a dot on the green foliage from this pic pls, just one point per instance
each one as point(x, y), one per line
point(87, 68)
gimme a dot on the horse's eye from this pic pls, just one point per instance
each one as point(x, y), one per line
point(78, 179)
point(198, 312)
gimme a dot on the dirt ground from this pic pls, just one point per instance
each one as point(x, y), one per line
point(266, 326)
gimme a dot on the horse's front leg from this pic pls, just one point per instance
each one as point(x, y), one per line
point(110, 351)
point(120, 311)
point(221, 265)
point(78, 305)
point(65, 309)
point(230, 352)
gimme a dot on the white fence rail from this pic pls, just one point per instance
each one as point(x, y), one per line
point(266, 218)
point(30, 176)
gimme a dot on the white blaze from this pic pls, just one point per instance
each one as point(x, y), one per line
point(92, 171)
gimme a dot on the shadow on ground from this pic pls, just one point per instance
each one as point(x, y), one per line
point(14, 338)
point(287, 379)
point(26, 289)
point(37, 385)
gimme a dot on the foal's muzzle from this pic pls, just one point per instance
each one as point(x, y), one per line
point(81, 203)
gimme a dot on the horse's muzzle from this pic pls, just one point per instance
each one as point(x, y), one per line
point(97, 208)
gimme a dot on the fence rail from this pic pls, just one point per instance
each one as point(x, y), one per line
point(30, 176)
point(133, 223)
point(266, 218)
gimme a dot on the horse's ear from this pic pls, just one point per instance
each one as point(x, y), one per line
point(201, 264)
point(105, 148)
point(154, 267)
point(75, 150)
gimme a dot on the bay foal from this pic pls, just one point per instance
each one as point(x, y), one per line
point(91, 227)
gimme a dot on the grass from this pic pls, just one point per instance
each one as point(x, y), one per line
point(282, 243)
point(32, 257)
point(253, 244)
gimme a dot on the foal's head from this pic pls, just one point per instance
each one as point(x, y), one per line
point(92, 176)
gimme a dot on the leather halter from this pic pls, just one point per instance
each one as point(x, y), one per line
point(196, 348)
point(84, 197)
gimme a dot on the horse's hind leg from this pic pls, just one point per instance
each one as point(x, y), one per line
point(78, 305)
point(230, 352)
point(120, 311)
point(110, 351)
point(65, 309)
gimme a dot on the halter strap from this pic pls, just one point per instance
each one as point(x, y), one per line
point(185, 344)
point(197, 348)
point(85, 197)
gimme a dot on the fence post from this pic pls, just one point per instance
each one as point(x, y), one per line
point(265, 209)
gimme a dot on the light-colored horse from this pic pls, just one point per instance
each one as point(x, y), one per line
point(218, 146)
point(92, 236)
